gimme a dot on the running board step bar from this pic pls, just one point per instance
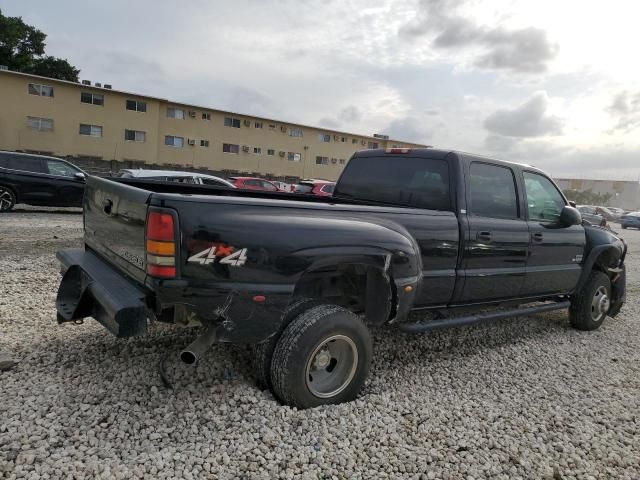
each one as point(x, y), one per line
point(422, 327)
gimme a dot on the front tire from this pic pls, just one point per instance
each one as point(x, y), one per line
point(7, 199)
point(322, 357)
point(590, 306)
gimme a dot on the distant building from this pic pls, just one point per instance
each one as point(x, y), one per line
point(94, 123)
point(624, 193)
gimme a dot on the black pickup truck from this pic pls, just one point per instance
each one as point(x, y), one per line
point(302, 278)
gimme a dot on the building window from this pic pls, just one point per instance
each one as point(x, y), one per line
point(295, 132)
point(272, 126)
point(230, 148)
point(176, 113)
point(204, 143)
point(134, 135)
point(354, 140)
point(257, 150)
point(40, 124)
point(231, 122)
point(92, 98)
point(293, 157)
point(271, 151)
point(372, 145)
point(258, 124)
point(322, 160)
point(323, 137)
point(206, 116)
point(136, 105)
point(342, 161)
point(41, 90)
point(174, 141)
point(343, 139)
point(90, 130)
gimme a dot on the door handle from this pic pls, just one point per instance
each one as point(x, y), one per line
point(537, 237)
point(484, 236)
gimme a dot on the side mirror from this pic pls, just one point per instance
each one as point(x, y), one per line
point(79, 176)
point(570, 216)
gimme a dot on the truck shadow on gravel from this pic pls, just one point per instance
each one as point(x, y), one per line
point(131, 366)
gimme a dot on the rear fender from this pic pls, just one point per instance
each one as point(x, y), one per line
point(391, 278)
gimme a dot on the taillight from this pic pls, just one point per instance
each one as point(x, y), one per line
point(161, 245)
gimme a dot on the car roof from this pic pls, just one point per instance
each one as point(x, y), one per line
point(141, 173)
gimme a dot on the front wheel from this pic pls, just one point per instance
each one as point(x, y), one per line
point(590, 306)
point(322, 357)
point(7, 199)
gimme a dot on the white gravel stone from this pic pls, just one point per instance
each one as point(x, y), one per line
point(522, 398)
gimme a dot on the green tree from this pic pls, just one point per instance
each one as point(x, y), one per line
point(22, 49)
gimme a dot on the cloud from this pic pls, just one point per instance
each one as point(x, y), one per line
point(527, 50)
point(409, 128)
point(524, 50)
point(346, 118)
point(527, 120)
point(625, 107)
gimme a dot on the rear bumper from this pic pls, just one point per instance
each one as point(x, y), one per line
point(90, 287)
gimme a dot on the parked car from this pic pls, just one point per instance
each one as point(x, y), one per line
point(254, 183)
point(175, 176)
point(322, 188)
point(284, 187)
point(590, 214)
point(618, 212)
point(607, 213)
point(39, 180)
point(303, 281)
point(630, 220)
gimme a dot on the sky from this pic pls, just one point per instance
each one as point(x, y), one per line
point(552, 83)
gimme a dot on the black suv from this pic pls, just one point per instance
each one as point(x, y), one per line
point(39, 180)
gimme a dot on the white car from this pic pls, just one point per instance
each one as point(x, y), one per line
point(175, 176)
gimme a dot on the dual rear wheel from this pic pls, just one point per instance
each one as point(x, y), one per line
point(321, 357)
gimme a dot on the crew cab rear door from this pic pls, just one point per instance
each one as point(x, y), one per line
point(555, 252)
point(497, 240)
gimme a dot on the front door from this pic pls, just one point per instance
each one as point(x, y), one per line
point(497, 241)
point(68, 188)
point(555, 253)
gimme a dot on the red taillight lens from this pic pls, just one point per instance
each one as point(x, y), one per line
point(160, 226)
point(161, 272)
point(161, 247)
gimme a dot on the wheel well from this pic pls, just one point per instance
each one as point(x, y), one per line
point(606, 259)
point(358, 287)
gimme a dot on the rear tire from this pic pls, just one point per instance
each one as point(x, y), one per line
point(590, 306)
point(322, 357)
point(7, 199)
point(263, 352)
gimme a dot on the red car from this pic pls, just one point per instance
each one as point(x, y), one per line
point(322, 188)
point(254, 183)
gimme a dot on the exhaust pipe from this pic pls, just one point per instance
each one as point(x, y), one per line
point(199, 346)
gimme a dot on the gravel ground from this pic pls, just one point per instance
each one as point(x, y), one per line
point(523, 398)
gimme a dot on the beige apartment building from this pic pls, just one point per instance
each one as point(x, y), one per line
point(97, 123)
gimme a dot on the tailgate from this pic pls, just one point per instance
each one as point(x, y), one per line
point(114, 224)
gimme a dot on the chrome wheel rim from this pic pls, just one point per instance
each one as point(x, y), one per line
point(600, 304)
point(331, 366)
point(6, 199)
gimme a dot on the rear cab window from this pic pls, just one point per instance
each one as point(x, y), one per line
point(492, 191)
point(404, 181)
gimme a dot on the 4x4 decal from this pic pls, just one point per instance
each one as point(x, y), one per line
point(226, 256)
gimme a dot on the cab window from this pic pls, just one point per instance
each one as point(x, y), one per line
point(492, 191)
point(60, 169)
point(544, 202)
